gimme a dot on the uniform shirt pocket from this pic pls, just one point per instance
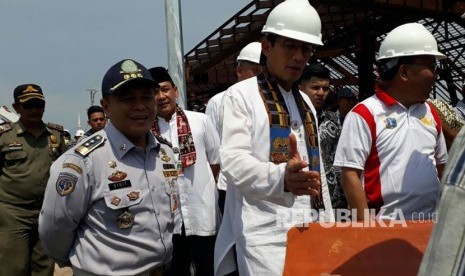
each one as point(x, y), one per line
point(15, 158)
point(121, 199)
point(115, 203)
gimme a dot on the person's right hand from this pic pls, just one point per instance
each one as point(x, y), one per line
point(296, 180)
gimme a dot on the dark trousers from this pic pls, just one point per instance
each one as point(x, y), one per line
point(221, 200)
point(196, 250)
point(20, 248)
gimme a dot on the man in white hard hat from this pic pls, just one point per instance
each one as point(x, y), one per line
point(248, 65)
point(79, 134)
point(267, 168)
point(393, 164)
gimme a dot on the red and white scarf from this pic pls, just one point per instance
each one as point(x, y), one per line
point(185, 139)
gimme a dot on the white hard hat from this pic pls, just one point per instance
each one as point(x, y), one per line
point(251, 52)
point(411, 39)
point(295, 19)
point(79, 133)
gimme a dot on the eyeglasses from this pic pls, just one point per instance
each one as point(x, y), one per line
point(33, 104)
point(291, 47)
point(432, 66)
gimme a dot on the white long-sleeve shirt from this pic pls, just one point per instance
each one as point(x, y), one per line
point(198, 194)
point(258, 213)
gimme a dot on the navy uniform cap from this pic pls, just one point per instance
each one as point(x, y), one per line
point(125, 72)
point(347, 93)
point(26, 92)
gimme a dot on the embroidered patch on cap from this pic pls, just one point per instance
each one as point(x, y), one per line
point(66, 183)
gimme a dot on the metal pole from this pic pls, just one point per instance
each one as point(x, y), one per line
point(175, 48)
point(92, 93)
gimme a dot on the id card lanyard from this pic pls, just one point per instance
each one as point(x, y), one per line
point(173, 132)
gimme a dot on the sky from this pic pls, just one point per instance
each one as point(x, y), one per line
point(67, 46)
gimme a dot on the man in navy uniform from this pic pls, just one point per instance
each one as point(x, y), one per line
point(110, 202)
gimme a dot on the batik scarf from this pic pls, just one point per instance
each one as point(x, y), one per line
point(279, 118)
point(185, 140)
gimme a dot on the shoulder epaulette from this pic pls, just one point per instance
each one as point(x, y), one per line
point(162, 140)
point(55, 127)
point(5, 127)
point(90, 145)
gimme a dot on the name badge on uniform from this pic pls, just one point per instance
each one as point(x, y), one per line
point(119, 185)
point(168, 167)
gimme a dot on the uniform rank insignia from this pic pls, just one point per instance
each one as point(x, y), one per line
point(120, 199)
point(133, 195)
point(390, 122)
point(72, 166)
point(55, 127)
point(165, 157)
point(125, 220)
point(427, 121)
point(90, 145)
point(117, 176)
point(15, 146)
point(66, 183)
point(112, 164)
point(115, 200)
point(5, 127)
point(170, 173)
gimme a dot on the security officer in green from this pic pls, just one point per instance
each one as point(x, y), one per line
point(27, 150)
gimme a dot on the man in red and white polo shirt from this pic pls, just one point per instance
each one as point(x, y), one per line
point(391, 150)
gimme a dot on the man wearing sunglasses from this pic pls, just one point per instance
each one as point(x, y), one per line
point(28, 148)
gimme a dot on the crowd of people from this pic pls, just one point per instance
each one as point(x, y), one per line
point(153, 189)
